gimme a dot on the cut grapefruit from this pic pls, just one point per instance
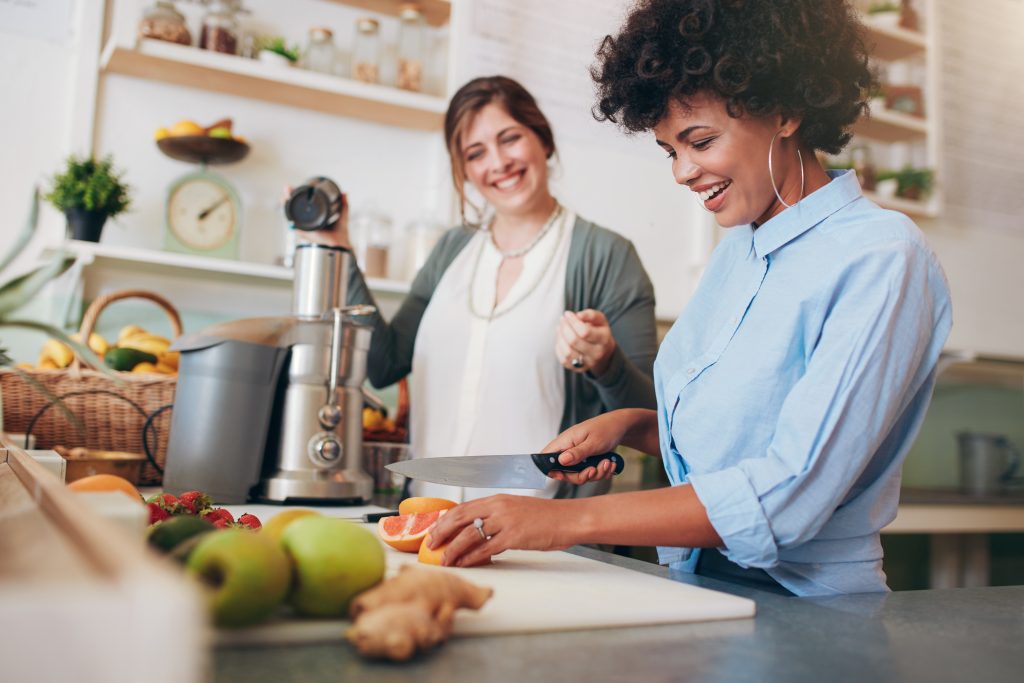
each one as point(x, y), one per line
point(106, 482)
point(428, 556)
point(421, 504)
point(406, 532)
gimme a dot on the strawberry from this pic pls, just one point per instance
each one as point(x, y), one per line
point(250, 521)
point(214, 514)
point(166, 502)
point(222, 523)
point(157, 513)
point(194, 502)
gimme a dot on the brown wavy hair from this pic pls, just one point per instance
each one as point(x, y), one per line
point(803, 58)
point(468, 101)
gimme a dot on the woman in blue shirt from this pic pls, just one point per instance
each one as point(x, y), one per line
point(792, 386)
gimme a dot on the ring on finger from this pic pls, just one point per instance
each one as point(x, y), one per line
point(479, 524)
point(577, 362)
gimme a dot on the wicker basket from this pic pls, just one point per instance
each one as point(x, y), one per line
point(112, 413)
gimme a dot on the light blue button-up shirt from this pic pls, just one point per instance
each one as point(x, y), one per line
point(792, 386)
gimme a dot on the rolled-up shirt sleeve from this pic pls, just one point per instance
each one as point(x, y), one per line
point(877, 347)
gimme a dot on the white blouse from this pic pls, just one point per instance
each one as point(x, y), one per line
point(484, 386)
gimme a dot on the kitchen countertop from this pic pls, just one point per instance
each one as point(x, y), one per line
point(935, 635)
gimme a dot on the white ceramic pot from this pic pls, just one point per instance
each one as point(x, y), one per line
point(273, 58)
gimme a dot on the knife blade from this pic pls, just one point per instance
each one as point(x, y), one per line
point(528, 471)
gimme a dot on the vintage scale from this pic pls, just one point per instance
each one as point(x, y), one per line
point(203, 214)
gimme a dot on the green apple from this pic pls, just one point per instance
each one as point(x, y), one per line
point(333, 560)
point(220, 132)
point(248, 575)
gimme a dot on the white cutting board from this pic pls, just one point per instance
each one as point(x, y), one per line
point(536, 592)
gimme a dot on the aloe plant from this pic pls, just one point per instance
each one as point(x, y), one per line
point(18, 291)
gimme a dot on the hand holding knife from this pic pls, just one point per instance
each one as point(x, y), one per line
point(528, 471)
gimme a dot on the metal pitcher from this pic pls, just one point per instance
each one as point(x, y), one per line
point(988, 462)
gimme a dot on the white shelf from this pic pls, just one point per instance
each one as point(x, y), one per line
point(436, 12)
point(221, 73)
point(134, 258)
point(891, 43)
point(886, 125)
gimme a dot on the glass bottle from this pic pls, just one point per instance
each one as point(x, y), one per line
point(319, 55)
point(366, 51)
point(220, 28)
point(412, 33)
point(163, 21)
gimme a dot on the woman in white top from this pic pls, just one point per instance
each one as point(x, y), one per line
point(524, 324)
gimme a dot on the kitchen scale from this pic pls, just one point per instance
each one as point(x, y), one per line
point(203, 214)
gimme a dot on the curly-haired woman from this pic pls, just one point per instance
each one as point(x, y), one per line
point(794, 382)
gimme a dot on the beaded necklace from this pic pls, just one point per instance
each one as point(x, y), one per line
point(555, 216)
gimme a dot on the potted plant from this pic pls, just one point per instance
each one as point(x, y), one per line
point(911, 183)
point(275, 50)
point(88, 191)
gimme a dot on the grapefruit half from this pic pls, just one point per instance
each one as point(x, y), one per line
point(406, 532)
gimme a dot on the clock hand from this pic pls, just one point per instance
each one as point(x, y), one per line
point(213, 207)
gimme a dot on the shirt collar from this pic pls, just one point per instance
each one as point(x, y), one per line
point(808, 212)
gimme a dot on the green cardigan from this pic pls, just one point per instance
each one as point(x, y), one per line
point(604, 273)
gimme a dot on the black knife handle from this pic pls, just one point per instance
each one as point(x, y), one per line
point(548, 462)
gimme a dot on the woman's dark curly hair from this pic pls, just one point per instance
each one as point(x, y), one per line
point(803, 58)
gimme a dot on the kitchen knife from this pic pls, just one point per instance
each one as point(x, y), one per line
point(496, 471)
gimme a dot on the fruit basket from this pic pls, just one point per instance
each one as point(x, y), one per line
point(100, 411)
point(393, 431)
point(203, 149)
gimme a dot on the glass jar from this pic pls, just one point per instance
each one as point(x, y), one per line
point(412, 34)
point(319, 55)
point(163, 21)
point(366, 51)
point(220, 28)
point(371, 241)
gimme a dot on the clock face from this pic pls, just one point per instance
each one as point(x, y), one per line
point(202, 213)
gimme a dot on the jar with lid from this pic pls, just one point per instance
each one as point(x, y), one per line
point(366, 51)
point(371, 242)
point(412, 35)
point(319, 55)
point(163, 21)
point(220, 28)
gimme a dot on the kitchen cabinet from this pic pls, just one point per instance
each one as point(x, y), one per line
point(890, 139)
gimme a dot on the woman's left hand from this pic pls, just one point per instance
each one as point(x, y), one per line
point(509, 522)
point(584, 341)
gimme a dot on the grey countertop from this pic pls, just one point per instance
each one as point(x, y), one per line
point(937, 635)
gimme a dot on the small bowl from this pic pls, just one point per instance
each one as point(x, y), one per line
point(202, 149)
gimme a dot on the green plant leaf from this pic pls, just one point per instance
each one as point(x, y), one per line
point(20, 290)
point(90, 184)
point(26, 233)
point(80, 349)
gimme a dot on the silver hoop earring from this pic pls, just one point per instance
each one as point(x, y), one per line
point(771, 174)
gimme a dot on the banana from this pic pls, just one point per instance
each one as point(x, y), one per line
point(57, 352)
point(144, 367)
point(150, 343)
point(165, 369)
point(169, 359)
point(97, 343)
point(129, 331)
point(47, 364)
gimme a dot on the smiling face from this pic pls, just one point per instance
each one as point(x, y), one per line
point(724, 160)
point(506, 162)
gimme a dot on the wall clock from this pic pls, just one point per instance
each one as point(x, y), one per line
point(203, 216)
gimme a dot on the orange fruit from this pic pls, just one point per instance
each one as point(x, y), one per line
point(428, 556)
point(406, 532)
point(106, 482)
point(421, 504)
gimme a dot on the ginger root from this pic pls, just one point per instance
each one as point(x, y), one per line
point(411, 612)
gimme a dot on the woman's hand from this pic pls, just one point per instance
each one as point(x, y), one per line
point(592, 437)
point(584, 341)
point(334, 236)
point(507, 522)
